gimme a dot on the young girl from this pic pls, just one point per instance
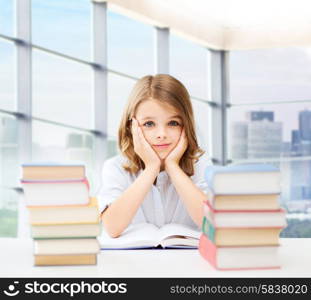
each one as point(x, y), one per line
point(158, 177)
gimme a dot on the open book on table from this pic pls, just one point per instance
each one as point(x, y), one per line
point(146, 235)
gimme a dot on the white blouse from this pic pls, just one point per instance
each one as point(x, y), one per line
point(162, 204)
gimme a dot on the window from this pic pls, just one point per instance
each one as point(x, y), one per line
point(9, 175)
point(63, 144)
point(9, 161)
point(202, 118)
point(270, 75)
point(62, 90)
point(8, 212)
point(7, 76)
point(130, 46)
point(6, 17)
point(63, 26)
point(119, 89)
point(269, 122)
point(188, 63)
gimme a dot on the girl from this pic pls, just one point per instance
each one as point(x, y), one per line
point(158, 177)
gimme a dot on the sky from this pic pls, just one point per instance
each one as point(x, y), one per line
point(61, 87)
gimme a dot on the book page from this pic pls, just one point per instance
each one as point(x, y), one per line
point(177, 230)
point(142, 235)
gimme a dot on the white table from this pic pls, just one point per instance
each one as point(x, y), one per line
point(16, 260)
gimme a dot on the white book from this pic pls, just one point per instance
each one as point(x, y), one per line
point(239, 258)
point(146, 235)
point(66, 246)
point(242, 218)
point(65, 231)
point(244, 179)
point(52, 193)
point(247, 257)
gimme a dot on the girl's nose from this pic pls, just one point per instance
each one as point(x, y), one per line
point(161, 132)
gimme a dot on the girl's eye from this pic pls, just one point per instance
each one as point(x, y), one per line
point(148, 124)
point(174, 123)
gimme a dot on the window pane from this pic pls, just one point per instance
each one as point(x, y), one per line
point(202, 115)
point(8, 212)
point(119, 89)
point(188, 63)
point(270, 131)
point(62, 90)
point(9, 175)
point(9, 158)
point(113, 148)
point(270, 75)
point(63, 26)
point(64, 144)
point(6, 17)
point(130, 46)
point(7, 76)
point(298, 226)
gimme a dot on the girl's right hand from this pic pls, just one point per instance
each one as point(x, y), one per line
point(143, 149)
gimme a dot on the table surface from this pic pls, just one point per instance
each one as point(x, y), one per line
point(16, 260)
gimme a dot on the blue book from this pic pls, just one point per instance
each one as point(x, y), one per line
point(244, 179)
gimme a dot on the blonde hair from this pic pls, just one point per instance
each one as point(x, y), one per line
point(167, 90)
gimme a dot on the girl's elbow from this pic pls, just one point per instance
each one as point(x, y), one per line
point(112, 231)
point(113, 234)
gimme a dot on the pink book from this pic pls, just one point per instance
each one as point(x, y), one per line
point(239, 258)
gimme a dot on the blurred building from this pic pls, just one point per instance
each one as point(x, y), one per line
point(260, 115)
point(305, 125)
point(239, 140)
point(259, 137)
point(264, 139)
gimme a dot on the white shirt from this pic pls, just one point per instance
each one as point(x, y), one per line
point(162, 204)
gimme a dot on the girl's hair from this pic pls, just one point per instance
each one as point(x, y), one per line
point(168, 90)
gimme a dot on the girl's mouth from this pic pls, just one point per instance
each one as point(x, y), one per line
point(161, 146)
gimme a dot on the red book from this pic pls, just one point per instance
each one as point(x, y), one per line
point(239, 258)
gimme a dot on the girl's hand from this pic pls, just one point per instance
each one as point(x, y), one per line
point(142, 147)
point(176, 154)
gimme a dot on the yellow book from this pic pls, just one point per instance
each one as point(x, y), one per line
point(244, 202)
point(74, 214)
point(61, 260)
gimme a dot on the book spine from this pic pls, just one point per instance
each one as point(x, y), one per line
point(84, 180)
point(64, 237)
point(208, 250)
point(208, 229)
point(215, 211)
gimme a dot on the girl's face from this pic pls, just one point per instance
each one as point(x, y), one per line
point(161, 125)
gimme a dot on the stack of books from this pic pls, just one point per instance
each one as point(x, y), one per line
point(242, 217)
point(64, 219)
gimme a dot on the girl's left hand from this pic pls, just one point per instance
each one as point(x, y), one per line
point(176, 154)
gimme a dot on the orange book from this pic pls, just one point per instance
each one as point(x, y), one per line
point(52, 171)
point(239, 258)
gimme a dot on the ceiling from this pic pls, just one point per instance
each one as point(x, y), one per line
point(226, 24)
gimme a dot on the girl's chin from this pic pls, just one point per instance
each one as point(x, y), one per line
point(163, 155)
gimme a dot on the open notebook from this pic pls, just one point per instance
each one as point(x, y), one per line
point(146, 235)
